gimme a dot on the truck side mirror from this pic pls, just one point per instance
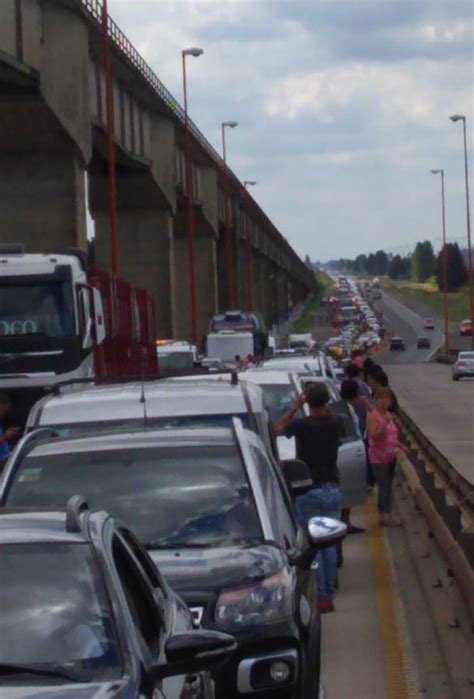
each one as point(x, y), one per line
point(99, 320)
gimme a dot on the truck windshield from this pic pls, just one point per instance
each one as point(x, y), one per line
point(38, 308)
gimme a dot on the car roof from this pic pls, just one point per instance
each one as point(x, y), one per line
point(293, 362)
point(144, 439)
point(24, 527)
point(265, 376)
point(163, 399)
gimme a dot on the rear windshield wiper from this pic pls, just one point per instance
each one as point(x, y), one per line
point(176, 545)
point(55, 671)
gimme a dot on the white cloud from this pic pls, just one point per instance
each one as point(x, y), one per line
point(342, 106)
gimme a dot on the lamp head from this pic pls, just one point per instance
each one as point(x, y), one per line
point(193, 51)
point(436, 172)
point(230, 124)
point(250, 183)
point(457, 117)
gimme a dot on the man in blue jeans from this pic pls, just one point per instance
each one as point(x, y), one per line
point(317, 442)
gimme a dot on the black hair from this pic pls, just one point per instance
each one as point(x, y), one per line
point(367, 363)
point(380, 376)
point(349, 389)
point(317, 395)
point(352, 371)
point(5, 399)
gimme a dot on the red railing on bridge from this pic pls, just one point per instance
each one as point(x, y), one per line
point(125, 46)
point(120, 41)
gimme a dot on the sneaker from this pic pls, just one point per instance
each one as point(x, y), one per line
point(352, 529)
point(326, 606)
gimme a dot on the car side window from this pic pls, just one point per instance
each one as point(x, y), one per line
point(277, 504)
point(138, 594)
point(142, 557)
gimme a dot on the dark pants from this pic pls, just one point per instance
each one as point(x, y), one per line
point(384, 476)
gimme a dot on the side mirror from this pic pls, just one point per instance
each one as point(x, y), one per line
point(297, 476)
point(195, 651)
point(99, 320)
point(325, 531)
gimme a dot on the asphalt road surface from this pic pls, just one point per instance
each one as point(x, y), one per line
point(442, 408)
point(403, 321)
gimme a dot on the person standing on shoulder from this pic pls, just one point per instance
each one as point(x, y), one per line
point(382, 432)
point(350, 395)
point(317, 439)
point(6, 435)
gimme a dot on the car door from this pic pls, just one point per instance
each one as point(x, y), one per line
point(351, 460)
point(147, 618)
point(289, 536)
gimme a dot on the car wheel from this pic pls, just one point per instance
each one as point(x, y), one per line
point(455, 378)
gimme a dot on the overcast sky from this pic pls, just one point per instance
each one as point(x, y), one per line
point(342, 107)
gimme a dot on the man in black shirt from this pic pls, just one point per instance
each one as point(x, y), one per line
point(317, 440)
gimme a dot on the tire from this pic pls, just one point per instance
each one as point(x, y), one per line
point(455, 378)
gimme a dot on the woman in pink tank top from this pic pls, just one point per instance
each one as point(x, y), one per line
point(382, 433)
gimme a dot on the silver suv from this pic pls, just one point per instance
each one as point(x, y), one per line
point(158, 404)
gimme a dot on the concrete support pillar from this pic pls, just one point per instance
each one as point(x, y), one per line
point(144, 237)
point(42, 201)
point(205, 255)
point(258, 290)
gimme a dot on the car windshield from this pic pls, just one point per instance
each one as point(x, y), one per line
point(44, 308)
point(74, 429)
point(171, 496)
point(466, 355)
point(279, 399)
point(170, 362)
point(54, 613)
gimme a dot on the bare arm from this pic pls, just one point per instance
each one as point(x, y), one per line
point(280, 425)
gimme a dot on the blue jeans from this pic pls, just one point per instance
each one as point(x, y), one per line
point(326, 502)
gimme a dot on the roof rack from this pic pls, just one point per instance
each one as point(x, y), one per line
point(56, 388)
point(76, 505)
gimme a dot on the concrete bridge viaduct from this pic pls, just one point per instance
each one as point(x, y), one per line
point(52, 131)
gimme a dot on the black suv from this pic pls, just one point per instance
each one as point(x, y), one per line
point(218, 519)
point(85, 613)
point(397, 344)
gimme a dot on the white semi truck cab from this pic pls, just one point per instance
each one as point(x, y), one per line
point(51, 321)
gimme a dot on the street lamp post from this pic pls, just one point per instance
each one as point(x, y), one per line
point(228, 234)
point(445, 260)
point(460, 117)
point(247, 184)
point(195, 52)
point(112, 183)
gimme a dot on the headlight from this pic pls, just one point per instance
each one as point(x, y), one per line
point(267, 601)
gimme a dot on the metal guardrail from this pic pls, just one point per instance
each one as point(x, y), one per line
point(126, 48)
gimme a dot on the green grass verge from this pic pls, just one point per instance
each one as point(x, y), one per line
point(431, 297)
point(306, 322)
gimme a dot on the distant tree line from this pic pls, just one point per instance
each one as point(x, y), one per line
point(420, 266)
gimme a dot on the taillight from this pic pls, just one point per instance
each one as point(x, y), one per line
point(461, 362)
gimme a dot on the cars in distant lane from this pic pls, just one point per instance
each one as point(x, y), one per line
point(429, 324)
point(465, 328)
point(423, 342)
point(397, 344)
point(463, 366)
